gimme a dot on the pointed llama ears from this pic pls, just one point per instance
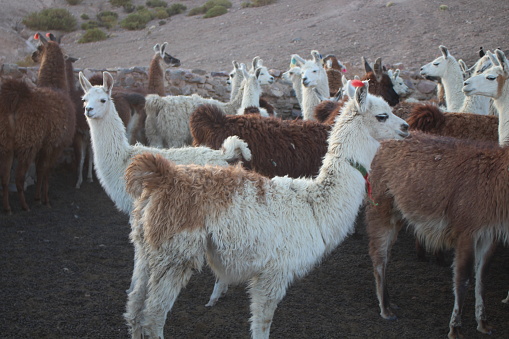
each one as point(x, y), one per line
point(85, 84)
point(445, 51)
point(361, 94)
point(504, 63)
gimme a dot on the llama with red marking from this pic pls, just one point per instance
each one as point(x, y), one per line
point(37, 124)
point(465, 208)
point(249, 228)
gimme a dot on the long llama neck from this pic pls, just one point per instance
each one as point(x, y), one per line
point(340, 185)
point(111, 155)
point(477, 104)
point(453, 83)
point(52, 69)
point(502, 105)
point(252, 92)
point(156, 76)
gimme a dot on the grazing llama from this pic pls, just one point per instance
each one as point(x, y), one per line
point(240, 221)
point(466, 208)
point(312, 75)
point(37, 124)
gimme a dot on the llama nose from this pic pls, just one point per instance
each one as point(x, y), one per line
point(404, 127)
point(466, 83)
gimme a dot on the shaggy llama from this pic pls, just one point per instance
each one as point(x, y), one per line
point(248, 228)
point(465, 208)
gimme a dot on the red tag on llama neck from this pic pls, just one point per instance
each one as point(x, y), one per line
point(357, 83)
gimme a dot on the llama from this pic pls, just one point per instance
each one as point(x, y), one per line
point(293, 76)
point(465, 208)
point(313, 75)
point(380, 82)
point(280, 147)
point(156, 70)
point(37, 124)
point(276, 247)
point(167, 122)
point(398, 83)
point(334, 69)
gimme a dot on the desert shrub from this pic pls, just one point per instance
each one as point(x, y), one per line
point(156, 3)
point(136, 21)
point(209, 5)
point(176, 9)
point(84, 16)
point(89, 25)
point(215, 11)
point(160, 13)
point(107, 19)
point(258, 3)
point(119, 3)
point(91, 35)
point(74, 2)
point(51, 19)
point(129, 8)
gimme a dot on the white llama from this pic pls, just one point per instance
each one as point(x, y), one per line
point(313, 75)
point(293, 76)
point(267, 232)
point(398, 83)
point(113, 153)
point(168, 117)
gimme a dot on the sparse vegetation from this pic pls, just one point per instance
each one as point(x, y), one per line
point(215, 11)
point(58, 19)
point(89, 25)
point(74, 2)
point(92, 35)
point(119, 3)
point(107, 19)
point(176, 9)
point(210, 5)
point(389, 4)
point(84, 16)
point(444, 7)
point(161, 13)
point(258, 3)
point(138, 20)
point(156, 3)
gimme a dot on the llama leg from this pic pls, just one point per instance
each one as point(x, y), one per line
point(265, 295)
point(506, 300)
point(484, 250)
point(463, 269)
point(21, 171)
point(79, 155)
point(90, 168)
point(6, 160)
point(42, 186)
point(220, 289)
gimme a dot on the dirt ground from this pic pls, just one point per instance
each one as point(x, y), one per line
point(65, 269)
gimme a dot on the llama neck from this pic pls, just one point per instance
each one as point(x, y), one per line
point(71, 83)
point(323, 83)
point(236, 86)
point(297, 87)
point(309, 102)
point(452, 82)
point(111, 153)
point(340, 184)
point(52, 69)
point(251, 95)
point(156, 76)
point(502, 105)
point(477, 104)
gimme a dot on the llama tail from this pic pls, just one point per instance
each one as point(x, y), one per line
point(13, 92)
point(235, 149)
point(425, 118)
point(204, 121)
point(147, 171)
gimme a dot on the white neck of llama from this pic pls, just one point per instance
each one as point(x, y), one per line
point(478, 104)
point(502, 105)
point(309, 98)
point(297, 87)
point(252, 92)
point(111, 154)
point(452, 80)
point(340, 186)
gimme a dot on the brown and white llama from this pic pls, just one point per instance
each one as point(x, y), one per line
point(249, 228)
point(465, 208)
point(335, 71)
point(36, 124)
point(379, 81)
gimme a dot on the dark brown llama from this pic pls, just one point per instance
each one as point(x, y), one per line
point(379, 82)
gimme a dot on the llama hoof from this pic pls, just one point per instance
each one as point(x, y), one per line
point(211, 303)
point(455, 333)
point(483, 327)
point(388, 315)
point(506, 300)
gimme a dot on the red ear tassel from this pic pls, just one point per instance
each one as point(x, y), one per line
point(357, 83)
point(48, 35)
point(36, 36)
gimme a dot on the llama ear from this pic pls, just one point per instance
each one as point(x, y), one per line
point(367, 67)
point(85, 84)
point(157, 48)
point(445, 51)
point(108, 82)
point(493, 58)
point(502, 60)
point(317, 57)
point(463, 66)
point(481, 52)
point(350, 89)
point(361, 97)
point(377, 69)
point(328, 63)
point(297, 60)
point(257, 72)
point(163, 48)
point(244, 72)
point(235, 64)
point(390, 74)
point(396, 73)
point(41, 38)
point(256, 59)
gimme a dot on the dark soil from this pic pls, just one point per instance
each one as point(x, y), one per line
point(65, 269)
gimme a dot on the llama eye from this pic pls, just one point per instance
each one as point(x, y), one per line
point(382, 117)
point(103, 100)
point(436, 63)
point(491, 77)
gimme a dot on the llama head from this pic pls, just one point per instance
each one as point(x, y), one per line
point(293, 74)
point(160, 51)
point(264, 78)
point(492, 82)
point(42, 44)
point(331, 62)
point(97, 99)
point(312, 71)
point(235, 75)
point(398, 83)
point(439, 66)
point(375, 114)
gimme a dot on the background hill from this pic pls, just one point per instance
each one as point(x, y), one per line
point(399, 31)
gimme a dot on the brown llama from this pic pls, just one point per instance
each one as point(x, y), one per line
point(36, 124)
point(156, 70)
point(279, 147)
point(379, 82)
point(465, 207)
point(334, 69)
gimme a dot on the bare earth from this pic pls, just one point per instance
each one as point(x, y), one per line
point(64, 270)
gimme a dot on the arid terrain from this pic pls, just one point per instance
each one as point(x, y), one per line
point(64, 270)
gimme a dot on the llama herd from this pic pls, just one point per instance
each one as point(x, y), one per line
point(262, 200)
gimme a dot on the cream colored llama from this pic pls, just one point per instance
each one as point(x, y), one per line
point(293, 76)
point(313, 75)
point(249, 228)
point(168, 117)
point(398, 83)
